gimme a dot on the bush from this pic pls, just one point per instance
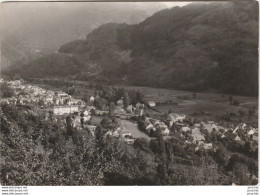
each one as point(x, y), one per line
point(251, 112)
point(6, 91)
point(236, 103)
point(242, 112)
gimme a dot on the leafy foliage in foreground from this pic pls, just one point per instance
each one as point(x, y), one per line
point(35, 151)
point(6, 91)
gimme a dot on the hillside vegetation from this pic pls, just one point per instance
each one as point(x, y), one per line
point(198, 47)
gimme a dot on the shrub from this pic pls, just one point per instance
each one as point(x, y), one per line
point(236, 103)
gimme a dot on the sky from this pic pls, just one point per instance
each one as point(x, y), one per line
point(172, 4)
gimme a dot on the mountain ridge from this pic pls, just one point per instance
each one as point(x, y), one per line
point(197, 47)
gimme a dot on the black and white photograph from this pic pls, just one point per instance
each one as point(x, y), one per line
point(129, 93)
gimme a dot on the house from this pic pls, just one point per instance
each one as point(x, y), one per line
point(74, 101)
point(138, 105)
point(150, 126)
point(86, 118)
point(198, 138)
point(125, 133)
point(129, 108)
point(116, 134)
point(151, 103)
point(120, 102)
point(60, 110)
point(177, 117)
point(251, 132)
point(100, 112)
point(210, 126)
point(195, 130)
point(185, 129)
point(237, 138)
point(16, 83)
point(197, 125)
point(221, 131)
point(109, 133)
point(129, 140)
point(254, 138)
point(91, 128)
point(77, 121)
point(208, 146)
point(166, 131)
point(230, 136)
point(48, 99)
point(89, 108)
point(86, 113)
point(61, 94)
point(92, 99)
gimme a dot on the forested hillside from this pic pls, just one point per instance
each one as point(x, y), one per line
point(198, 47)
point(38, 151)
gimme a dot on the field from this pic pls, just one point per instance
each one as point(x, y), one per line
point(204, 105)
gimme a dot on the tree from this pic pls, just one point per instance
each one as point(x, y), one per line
point(41, 102)
point(111, 109)
point(100, 103)
point(251, 112)
point(170, 111)
point(106, 123)
point(71, 91)
point(50, 114)
point(69, 126)
point(6, 91)
point(126, 99)
point(235, 102)
point(241, 112)
point(230, 99)
point(240, 171)
point(194, 95)
point(82, 122)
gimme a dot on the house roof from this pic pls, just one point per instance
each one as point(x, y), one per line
point(198, 137)
point(185, 129)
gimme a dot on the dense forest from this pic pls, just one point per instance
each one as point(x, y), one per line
point(198, 47)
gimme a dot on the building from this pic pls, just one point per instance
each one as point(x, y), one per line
point(60, 110)
point(138, 105)
point(120, 102)
point(185, 129)
point(92, 99)
point(166, 131)
point(151, 103)
point(177, 117)
point(61, 94)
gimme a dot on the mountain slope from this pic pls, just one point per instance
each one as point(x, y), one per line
point(39, 28)
point(201, 46)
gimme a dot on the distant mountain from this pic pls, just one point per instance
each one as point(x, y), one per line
point(198, 47)
point(33, 29)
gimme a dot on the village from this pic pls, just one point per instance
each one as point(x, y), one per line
point(131, 121)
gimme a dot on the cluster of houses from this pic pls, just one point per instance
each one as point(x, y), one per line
point(239, 134)
point(60, 103)
point(197, 133)
point(122, 134)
